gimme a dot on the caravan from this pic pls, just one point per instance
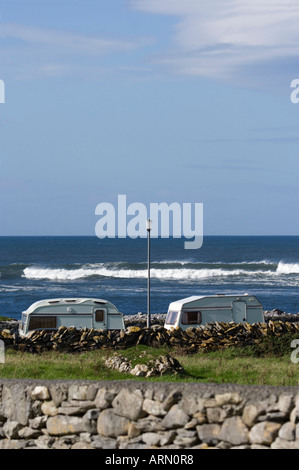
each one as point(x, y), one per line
point(79, 313)
point(200, 310)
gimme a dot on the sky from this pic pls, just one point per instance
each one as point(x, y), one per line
point(182, 101)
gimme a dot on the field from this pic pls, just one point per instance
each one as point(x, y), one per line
point(233, 365)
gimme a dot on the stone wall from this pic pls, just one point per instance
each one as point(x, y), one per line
point(209, 337)
point(139, 415)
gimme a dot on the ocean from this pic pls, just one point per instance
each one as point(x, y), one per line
point(35, 268)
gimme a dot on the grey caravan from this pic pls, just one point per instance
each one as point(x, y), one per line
point(196, 311)
point(80, 313)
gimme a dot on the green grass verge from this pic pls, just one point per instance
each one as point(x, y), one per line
point(233, 365)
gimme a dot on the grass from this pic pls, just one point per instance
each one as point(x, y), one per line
point(229, 367)
point(233, 365)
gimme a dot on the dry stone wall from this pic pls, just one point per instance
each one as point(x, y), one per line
point(210, 337)
point(139, 415)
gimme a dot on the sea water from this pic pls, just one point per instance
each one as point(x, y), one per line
point(35, 268)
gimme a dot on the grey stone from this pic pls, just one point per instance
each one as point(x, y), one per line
point(104, 398)
point(44, 442)
point(129, 404)
point(11, 429)
point(38, 422)
point(241, 447)
point(13, 443)
point(62, 425)
point(149, 393)
point(59, 393)
point(264, 433)
point(82, 445)
point(101, 442)
point(200, 417)
point(36, 409)
point(280, 443)
point(75, 407)
point(40, 392)
point(251, 413)
point(209, 433)
point(185, 441)
point(234, 431)
point(175, 418)
point(258, 446)
point(151, 438)
point(285, 403)
point(171, 399)
point(58, 444)
point(167, 438)
point(158, 395)
point(287, 431)
point(78, 392)
point(110, 424)
point(49, 409)
point(209, 403)
point(277, 416)
point(228, 398)
point(189, 405)
point(140, 370)
point(192, 424)
point(133, 430)
point(132, 446)
point(148, 424)
point(92, 414)
point(16, 403)
point(29, 433)
point(294, 416)
point(216, 415)
point(153, 407)
point(186, 433)
point(85, 436)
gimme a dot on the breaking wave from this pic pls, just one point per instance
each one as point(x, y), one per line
point(172, 270)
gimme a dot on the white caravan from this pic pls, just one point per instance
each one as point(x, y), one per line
point(80, 313)
point(200, 310)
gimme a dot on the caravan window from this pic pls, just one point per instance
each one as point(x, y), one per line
point(99, 315)
point(42, 322)
point(171, 318)
point(191, 318)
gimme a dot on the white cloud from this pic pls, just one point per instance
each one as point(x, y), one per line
point(67, 41)
point(29, 51)
point(225, 36)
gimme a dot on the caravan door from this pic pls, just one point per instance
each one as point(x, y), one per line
point(100, 318)
point(239, 311)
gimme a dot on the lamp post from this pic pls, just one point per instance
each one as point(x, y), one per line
point(148, 228)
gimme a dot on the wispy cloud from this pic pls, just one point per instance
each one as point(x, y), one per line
point(65, 40)
point(29, 51)
point(222, 37)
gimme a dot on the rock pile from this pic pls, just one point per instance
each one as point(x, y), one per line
point(277, 314)
point(162, 365)
point(140, 319)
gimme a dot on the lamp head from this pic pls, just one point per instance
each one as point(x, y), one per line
point(148, 225)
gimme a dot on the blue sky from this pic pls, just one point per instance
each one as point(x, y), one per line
point(161, 100)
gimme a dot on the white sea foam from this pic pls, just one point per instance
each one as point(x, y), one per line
point(287, 268)
point(121, 270)
point(61, 274)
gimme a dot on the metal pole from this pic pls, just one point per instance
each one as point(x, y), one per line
point(148, 273)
